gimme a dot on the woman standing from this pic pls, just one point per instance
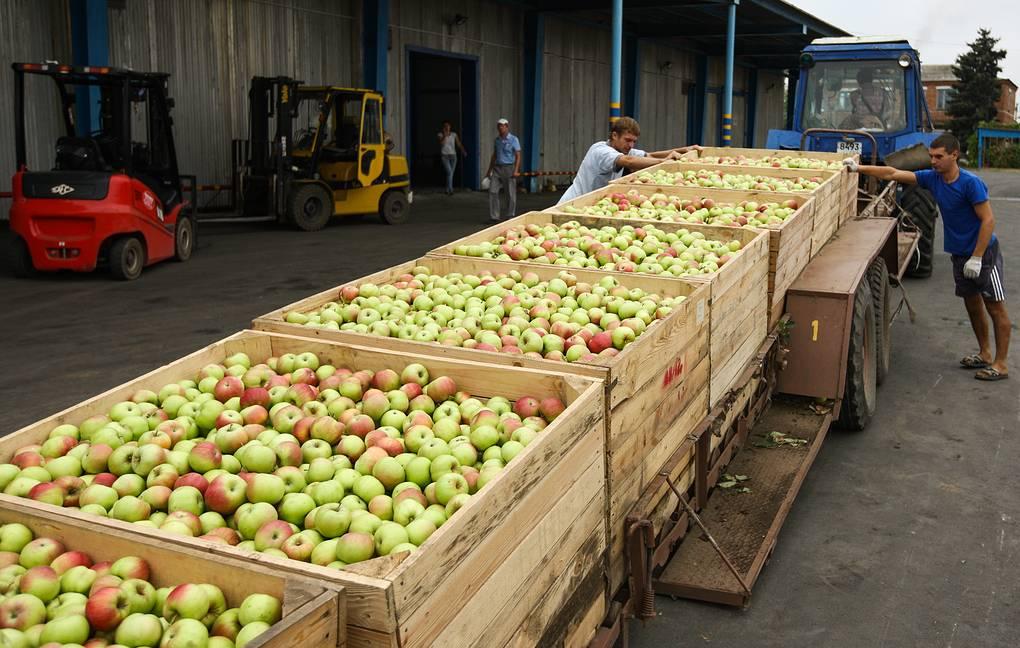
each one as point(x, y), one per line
point(449, 144)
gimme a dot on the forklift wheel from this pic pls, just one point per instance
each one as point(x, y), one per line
point(310, 207)
point(21, 259)
point(127, 258)
point(184, 238)
point(861, 391)
point(393, 208)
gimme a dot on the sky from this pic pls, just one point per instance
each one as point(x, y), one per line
point(939, 29)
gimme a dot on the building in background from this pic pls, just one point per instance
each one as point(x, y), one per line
point(939, 83)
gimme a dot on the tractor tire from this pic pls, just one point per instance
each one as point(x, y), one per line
point(127, 258)
point(310, 207)
point(393, 208)
point(878, 280)
point(21, 259)
point(860, 393)
point(923, 211)
point(184, 238)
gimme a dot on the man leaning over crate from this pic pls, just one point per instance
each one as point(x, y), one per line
point(607, 159)
point(969, 228)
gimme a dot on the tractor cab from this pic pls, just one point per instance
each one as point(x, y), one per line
point(327, 155)
point(858, 95)
point(113, 192)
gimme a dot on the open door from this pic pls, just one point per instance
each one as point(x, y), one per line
point(371, 152)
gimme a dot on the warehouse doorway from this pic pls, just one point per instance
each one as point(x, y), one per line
point(441, 86)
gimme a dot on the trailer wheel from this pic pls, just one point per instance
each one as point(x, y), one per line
point(923, 211)
point(878, 280)
point(861, 391)
point(393, 208)
point(127, 258)
point(184, 238)
point(310, 207)
point(21, 259)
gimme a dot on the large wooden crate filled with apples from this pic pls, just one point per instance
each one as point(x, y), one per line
point(739, 288)
point(788, 218)
point(439, 554)
point(95, 582)
point(656, 386)
point(825, 186)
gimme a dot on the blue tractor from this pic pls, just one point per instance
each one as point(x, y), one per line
point(864, 95)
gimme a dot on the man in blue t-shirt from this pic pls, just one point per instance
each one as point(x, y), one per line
point(969, 228)
point(504, 169)
point(607, 159)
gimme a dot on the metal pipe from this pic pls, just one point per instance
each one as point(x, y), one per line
point(617, 61)
point(731, 38)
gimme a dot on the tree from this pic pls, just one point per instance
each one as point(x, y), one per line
point(977, 90)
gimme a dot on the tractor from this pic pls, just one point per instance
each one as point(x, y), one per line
point(864, 95)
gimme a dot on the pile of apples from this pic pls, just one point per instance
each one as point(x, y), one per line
point(644, 249)
point(511, 312)
point(674, 209)
point(774, 161)
point(292, 457)
point(711, 179)
point(51, 597)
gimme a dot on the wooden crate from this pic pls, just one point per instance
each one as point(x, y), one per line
point(789, 244)
point(484, 573)
point(313, 611)
point(664, 371)
point(830, 204)
point(739, 291)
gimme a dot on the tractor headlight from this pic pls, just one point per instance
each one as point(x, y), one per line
point(904, 60)
point(806, 60)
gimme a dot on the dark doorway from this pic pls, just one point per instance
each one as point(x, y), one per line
point(441, 87)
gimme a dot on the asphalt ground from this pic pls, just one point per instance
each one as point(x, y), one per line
point(903, 535)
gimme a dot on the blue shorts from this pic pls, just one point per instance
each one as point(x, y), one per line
point(990, 284)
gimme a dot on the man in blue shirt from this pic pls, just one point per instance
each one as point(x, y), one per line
point(608, 159)
point(969, 228)
point(504, 168)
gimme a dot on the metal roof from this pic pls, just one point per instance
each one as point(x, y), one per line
point(859, 40)
point(769, 34)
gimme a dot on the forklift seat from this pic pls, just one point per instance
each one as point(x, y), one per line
point(79, 154)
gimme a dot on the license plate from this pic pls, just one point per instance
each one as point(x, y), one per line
point(849, 148)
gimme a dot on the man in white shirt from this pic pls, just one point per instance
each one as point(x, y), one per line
point(606, 160)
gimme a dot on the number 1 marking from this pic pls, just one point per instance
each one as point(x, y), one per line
point(814, 330)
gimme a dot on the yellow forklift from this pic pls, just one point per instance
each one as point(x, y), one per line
point(327, 156)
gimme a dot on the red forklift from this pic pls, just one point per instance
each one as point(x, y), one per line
point(114, 195)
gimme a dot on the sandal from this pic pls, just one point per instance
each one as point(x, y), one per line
point(973, 362)
point(990, 374)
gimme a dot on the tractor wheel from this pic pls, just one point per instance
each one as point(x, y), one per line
point(127, 258)
point(923, 211)
point(878, 280)
point(184, 238)
point(393, 208)
point(310, 207)
point(861, 390)
point(21, 259)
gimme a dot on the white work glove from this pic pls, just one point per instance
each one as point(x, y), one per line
point(851, 164)
point(972, 268)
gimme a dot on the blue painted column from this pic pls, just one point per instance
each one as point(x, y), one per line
point(375, 43)
point(90, 46)
point(697, 101)
point(731, 39)
point(617, 61)
point(632, 79)
point(534, 45)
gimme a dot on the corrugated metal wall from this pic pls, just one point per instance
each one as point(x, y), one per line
point(662, 105)
point(575, 98)
point(771, 94)
point(493, 33)
point(212, 48)
point(30, 31)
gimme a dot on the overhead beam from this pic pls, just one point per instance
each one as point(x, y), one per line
point(589, 5)
point(784, 10)
point(660, 31)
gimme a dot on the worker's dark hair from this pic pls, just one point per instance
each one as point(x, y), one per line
point(947, 141)
point(626, 125)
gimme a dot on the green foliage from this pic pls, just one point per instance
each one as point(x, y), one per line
point(977, 91)
point(1000, 154)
